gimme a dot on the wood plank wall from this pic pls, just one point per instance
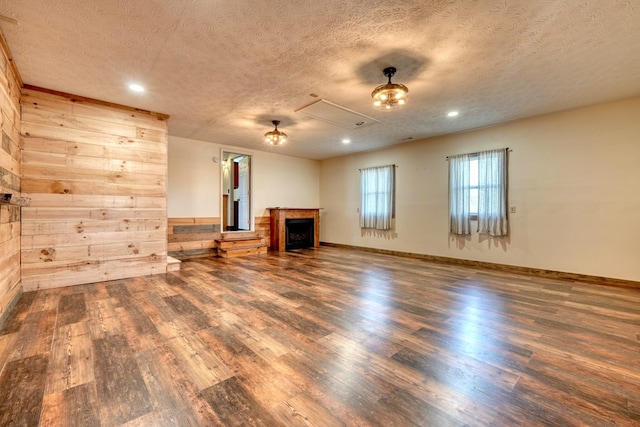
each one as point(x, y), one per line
point(96, 174)
point(192, 237)
point(262, 226)
point(196, 237)
point(10, 173)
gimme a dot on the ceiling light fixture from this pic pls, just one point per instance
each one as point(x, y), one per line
point(136, 87)
point(275, 137)
point(391, 94)
point(452, 114)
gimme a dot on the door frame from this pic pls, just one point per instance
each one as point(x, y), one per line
point(225, 169)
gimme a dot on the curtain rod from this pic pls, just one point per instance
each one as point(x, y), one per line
point(394, 165)
point(475, 154)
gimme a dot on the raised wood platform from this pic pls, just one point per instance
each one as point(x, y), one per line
point(240, 244)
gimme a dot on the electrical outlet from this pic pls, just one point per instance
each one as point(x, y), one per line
point(513, 209)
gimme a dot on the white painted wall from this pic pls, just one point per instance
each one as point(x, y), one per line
point(284, 181)
point(194, 180)
point(574, 178)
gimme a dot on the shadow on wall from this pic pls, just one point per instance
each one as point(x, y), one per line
point(491, 242)
point(495, 242)
point(386, 234)
point(459, 240)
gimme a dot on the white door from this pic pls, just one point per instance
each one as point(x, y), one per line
point(243, 194)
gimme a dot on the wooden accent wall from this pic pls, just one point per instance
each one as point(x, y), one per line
point(96, 175)
point(263, 227)
point(196, 237)
point(10, 173)
point(192, 237)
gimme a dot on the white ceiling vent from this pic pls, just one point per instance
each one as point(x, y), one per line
point(335, 114)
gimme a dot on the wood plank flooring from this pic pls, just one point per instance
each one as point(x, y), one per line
point(324, 337)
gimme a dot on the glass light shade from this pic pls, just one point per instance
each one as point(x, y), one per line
point(389, 95)
point(275, 137)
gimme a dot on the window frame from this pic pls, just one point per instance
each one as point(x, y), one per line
point(491, 212)
point(368, 192)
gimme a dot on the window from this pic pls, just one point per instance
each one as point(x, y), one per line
point(478, 190)
point(377, 188)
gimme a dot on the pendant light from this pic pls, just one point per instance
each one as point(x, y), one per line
point(389, 95)
point(275, 137)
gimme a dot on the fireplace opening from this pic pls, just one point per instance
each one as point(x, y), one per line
point(299, 233)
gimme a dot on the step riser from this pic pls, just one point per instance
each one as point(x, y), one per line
point(239, 243)
point(173, 264)
point(233, 253)
point(173, 267)
point(231, 246)
point(238, 235)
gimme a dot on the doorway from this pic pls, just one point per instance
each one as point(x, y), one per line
point(236, 192)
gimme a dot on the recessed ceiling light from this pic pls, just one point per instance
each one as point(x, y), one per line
point(452, 113)
point(136, 87)
point(346, 141)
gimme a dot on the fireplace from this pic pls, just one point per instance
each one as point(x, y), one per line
point(305, 233)
point(299, 233)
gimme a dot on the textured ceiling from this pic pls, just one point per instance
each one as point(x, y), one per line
point(224, 69)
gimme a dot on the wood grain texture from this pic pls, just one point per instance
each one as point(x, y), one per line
point(22, 385)
point(324, 337)
point(277, 225)
point(192, 237)
point(501, 267)
point(10, 182)
point(197, 237)
point(71, 362)
point(7, 60)
point(96, 175)
point(76, 406)
point(76, 100)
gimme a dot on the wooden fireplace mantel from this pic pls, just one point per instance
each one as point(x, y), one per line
point(278, 217)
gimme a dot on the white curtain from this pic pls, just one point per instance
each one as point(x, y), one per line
point(492, 193)
point(376, 197)
point(459, 195)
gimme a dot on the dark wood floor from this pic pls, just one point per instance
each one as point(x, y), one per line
point(325, 337)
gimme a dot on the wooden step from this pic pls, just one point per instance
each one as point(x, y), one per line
point(242, 251)
point(239, 235)
point(173, 264)
point(239, 242)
